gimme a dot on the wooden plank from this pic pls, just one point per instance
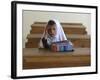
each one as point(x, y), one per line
point(70, 25)
point(38, 52)
point(68, 36)
point(67, 30)
point(76, 43)
point(77, 40)
point(35, 58)
point(62, 23)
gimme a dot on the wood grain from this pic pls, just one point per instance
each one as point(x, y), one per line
point(36, 58)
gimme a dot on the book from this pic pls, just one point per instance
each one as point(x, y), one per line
point(62, 46)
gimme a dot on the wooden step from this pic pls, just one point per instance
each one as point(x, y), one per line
point(37, 58)
point(62, 23)
point(69, 28)
point(77, 40)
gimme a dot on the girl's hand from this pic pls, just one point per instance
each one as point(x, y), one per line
point(54, 47)
point(45, 31)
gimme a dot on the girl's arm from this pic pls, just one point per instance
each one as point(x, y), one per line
point(44, 41)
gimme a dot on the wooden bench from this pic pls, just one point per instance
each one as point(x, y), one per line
point(34, 58)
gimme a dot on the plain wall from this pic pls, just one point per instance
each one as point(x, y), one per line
point(29, 17)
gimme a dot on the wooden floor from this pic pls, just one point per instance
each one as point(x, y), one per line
point(40, 58)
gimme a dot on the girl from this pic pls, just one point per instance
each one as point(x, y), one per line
point(53, 32)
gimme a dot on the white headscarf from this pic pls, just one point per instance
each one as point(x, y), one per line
point(60, 35)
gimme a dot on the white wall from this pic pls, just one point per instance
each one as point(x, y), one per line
point(29, 17)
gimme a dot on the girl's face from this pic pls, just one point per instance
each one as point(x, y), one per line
point(51, 30)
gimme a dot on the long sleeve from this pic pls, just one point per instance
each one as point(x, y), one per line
point(44, 41)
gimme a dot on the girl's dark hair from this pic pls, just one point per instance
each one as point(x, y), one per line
point(51, 22)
